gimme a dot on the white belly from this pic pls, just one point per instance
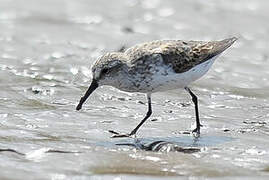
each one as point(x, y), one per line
point(180, 80)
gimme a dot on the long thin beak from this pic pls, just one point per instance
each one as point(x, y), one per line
point(92, 87)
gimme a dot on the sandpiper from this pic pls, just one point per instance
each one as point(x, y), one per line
point(156, 66)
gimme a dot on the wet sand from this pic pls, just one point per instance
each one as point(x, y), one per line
point(46, 49)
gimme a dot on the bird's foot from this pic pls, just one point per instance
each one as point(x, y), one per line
point(196, 131)
point(120, 135)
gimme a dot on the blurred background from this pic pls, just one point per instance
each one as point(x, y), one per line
point(47, 49)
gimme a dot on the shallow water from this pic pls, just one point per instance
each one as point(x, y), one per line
point(46, 49)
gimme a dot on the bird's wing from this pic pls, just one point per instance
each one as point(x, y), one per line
point(180, 55)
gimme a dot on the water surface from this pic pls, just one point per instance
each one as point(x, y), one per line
point(46, 49)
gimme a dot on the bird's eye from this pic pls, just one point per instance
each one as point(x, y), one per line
point(104, 71)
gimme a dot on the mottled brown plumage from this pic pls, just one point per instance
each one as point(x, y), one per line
point(181, 55)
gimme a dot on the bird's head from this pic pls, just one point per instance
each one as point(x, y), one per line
point(104, 72)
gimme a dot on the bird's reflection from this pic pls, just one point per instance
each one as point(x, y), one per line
point(184, 144)
point(160, 146)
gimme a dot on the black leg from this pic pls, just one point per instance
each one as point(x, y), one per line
point(145, 118)
point(195, 101)
point(133, 132)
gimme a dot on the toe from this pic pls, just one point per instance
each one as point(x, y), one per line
point(120, 135)
point(113, 132)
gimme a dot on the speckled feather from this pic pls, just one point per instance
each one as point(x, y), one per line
point(181, 55)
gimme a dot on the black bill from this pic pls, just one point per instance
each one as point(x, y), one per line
point(92, 87)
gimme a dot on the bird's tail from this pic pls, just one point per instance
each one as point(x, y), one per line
point(220, 46)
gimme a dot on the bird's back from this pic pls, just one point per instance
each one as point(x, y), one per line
point(180, 55)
